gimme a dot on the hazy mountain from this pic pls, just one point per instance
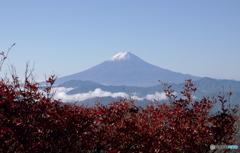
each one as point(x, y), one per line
point(126, 68)
point(206, 87)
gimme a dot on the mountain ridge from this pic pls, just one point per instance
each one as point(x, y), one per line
point(202, 90)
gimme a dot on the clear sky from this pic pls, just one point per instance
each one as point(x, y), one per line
point(197, 37)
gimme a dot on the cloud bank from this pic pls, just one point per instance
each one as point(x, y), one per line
point(61, 93)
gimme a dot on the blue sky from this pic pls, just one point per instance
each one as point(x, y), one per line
point(199, 37)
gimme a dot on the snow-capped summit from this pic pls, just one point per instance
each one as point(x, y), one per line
point(120, 56)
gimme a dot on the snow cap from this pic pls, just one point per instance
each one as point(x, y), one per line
point(120, 56)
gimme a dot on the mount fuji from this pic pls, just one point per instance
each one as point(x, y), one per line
point(126, 68)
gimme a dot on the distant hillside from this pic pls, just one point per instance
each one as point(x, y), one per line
point(213, 85)
point(206, 87)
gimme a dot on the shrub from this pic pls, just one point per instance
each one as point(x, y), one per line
point(32, 121)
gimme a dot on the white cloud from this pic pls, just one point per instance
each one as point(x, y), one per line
point(61, 93)
point(157, 96)
point(134, 97)
point(61, 89)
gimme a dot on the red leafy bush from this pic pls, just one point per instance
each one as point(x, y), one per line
point(32, 121)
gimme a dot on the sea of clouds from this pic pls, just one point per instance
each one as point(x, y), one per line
point(61, 93)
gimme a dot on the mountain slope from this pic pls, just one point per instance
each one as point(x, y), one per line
point(126, 68)
point(213, 85)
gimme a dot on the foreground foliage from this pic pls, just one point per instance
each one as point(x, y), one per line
point(32, 121)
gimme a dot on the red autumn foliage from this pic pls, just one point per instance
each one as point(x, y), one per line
point(32, 121)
